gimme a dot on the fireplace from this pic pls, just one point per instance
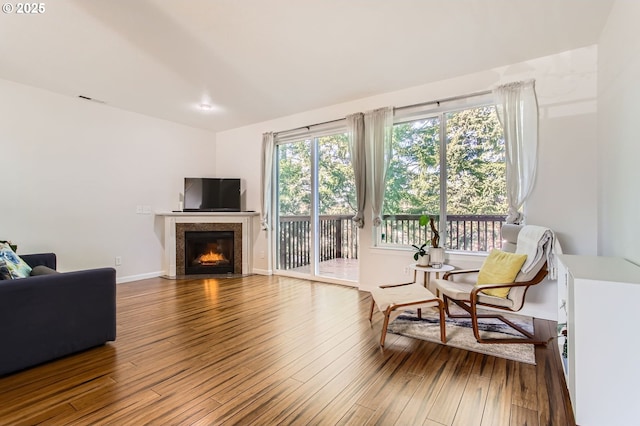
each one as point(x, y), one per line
point(177, 224)
point(208, 248)
point(208, 252)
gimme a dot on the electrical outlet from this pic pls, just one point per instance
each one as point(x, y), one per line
point(146, 209)
point(261, 254)
point(406, 270)
point(138, 209)
point(118, 260)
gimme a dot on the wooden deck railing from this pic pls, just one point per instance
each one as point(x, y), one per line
point(464, 232)
point(339, 235)
point(338, 239)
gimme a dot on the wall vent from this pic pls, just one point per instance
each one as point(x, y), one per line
point(87, 98)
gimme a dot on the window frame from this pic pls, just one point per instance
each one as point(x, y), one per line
point(437, 110)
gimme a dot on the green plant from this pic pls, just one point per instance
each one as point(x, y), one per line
point(435, 238)
point(420, 251)
point(424, 220)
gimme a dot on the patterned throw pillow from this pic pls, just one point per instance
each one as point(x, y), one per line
point(4, 271)
point(17, 267)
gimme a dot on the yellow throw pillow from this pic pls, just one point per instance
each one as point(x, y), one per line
point(500, 268)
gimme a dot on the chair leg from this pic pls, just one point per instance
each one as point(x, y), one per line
point(474, 323)
point(446, 305)
point(384, 326)
point(530, 338)
point(373, 305)
point(473, 315)
point(443, 324)
point(419, 313)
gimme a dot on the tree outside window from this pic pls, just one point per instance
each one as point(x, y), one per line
point(471, 205)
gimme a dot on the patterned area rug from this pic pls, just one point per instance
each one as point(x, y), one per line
point(460, 333)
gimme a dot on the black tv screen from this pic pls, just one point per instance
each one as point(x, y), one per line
point(211, 195)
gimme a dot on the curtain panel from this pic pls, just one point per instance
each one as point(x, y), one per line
point(355, 134)
point(378, 133)
point(517, 109)
point(266, 176)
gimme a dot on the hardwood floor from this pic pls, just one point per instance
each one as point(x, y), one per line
point(272, 350)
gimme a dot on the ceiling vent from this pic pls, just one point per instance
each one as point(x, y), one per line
point(87, 98)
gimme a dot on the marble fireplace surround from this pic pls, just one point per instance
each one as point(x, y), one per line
point(181, 228)
point(177, 223)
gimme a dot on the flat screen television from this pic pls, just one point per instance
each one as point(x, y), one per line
point(211, 195)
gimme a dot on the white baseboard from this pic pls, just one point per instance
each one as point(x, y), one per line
point(130, 278)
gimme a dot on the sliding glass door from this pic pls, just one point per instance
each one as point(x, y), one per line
point(315, 201)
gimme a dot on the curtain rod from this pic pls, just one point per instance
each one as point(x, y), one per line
point(437, 102)
point(453, 98)
point(309, 126)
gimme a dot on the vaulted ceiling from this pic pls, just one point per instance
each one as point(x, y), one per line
point(254, 60)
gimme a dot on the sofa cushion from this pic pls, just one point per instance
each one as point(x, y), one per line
point(500, 268)
point(18, 268)
point(42, 270)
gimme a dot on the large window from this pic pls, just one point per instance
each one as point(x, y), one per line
point(447, 163)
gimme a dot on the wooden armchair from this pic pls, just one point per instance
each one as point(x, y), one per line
point(460, 288)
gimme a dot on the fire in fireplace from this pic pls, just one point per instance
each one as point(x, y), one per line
point(208, 252)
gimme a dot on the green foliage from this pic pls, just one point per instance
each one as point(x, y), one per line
point(476, 171)
point(294, 178)
point(413, 176)
point(336, 189)
point(420, 251)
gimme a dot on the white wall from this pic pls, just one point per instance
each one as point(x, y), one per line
point(565, 198)
point(618, 140)
point(75, 171)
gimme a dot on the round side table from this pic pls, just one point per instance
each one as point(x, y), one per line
point(427, 270)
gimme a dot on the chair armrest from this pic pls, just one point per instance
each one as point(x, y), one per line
point(394, 285)
point(459, 272)
point(480, 287)
point(45, 259)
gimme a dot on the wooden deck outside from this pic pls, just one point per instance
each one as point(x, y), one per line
point(340, 269)
point(265, 350)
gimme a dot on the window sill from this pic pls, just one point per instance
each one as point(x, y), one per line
point(449, 253)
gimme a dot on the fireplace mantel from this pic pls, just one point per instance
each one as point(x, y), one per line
point(245, 219)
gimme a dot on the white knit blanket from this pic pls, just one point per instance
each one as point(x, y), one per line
point(535, 242)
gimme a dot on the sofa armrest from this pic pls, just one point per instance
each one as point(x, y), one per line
point(49, 316)
point(45, 259)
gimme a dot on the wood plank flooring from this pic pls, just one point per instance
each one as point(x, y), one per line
point(265, 350)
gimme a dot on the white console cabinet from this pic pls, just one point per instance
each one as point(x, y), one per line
point(602, 367)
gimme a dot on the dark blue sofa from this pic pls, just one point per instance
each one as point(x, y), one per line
point(48, 316)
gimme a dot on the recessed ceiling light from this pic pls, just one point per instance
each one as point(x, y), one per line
point(207, 107)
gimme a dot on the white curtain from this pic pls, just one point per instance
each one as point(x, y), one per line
point(378, 131)
point(355, 133)
point(517, 109)
point(268, 147)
